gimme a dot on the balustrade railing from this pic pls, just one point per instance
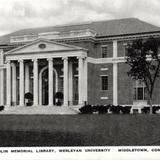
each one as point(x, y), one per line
point(53, 35)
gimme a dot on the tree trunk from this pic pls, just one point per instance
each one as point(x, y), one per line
point(150, 103)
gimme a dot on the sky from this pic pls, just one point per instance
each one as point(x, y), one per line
point(20, 14)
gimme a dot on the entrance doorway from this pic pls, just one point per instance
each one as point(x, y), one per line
point(43, 85)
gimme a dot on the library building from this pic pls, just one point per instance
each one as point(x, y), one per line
point(58, 69)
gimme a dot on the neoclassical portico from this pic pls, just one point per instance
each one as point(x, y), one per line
point(34, 53)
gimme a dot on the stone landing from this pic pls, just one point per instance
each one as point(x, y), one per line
point(57, 110)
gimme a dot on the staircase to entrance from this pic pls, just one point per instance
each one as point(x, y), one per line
point(58, 110)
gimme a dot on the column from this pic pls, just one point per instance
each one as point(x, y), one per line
point(85, 79)
point(14, 84)
point(115, 80)
point(21, 83)
point(26, 77)
point(40, 90)
point(65, 81)
point(80, 80)
point(50, 81)
point(70, 83)
point(35, 82)
point(1, 86)
point(8, 83)
point(1, 79)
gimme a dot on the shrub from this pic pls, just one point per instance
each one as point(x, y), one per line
point(155, 109)
point(95, 108)
point(1, 108)
point(115, 109)
point(28, 104)
point(102, 109)
point(28, 96)
point(145, 110)
point(126, 109)
point(59, 95)
point(86, 109)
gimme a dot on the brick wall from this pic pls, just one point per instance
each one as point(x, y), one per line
point(94, 84)
point(91, 46)
point(91, 83)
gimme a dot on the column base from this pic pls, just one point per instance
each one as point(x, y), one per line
point(65, 105)
point(81, 103)
point(36, 104)
point(7, 107)
point(50, 105)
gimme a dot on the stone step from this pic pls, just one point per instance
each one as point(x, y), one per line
point(40, 110)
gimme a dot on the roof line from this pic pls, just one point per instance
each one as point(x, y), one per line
point(127, 34)
point(77, 23)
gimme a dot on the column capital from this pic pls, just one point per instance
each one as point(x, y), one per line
point(1, 51)
point(13, 64)
point(20, 60)
point(34, 60)
point(65, 58)
point(81, 57)
point(49, 59)
point(114, 41)
point(7, 61)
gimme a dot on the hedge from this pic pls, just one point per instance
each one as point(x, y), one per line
point(103, 109)
point(146, 110)
point(1, 108)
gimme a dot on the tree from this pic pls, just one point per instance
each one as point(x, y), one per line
point(144, 61)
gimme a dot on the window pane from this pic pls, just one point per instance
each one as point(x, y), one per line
point(104, 80)
point(104, 52)
point(140, 94)
point(61, 84)
point(126, 51)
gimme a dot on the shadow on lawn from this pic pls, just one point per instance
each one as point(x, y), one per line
point(23, 139)
point(84, 130)
point(43, 138)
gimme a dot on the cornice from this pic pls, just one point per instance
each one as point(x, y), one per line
point(127, 37)
point(106, 60)
point(97, 39)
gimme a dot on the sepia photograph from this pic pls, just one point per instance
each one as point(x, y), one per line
point(80, 73)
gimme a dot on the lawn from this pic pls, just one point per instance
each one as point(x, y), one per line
point(79, 130)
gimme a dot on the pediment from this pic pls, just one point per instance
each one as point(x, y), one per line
point(43, 45)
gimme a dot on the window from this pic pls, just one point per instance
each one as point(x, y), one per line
point(104, 51)
point(60, 84)
point(140, 91)
point(104, 83)
point(126, 51)
point(125, 45)
point(75, 90)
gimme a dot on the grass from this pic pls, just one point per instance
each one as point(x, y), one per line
point(79, 130)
